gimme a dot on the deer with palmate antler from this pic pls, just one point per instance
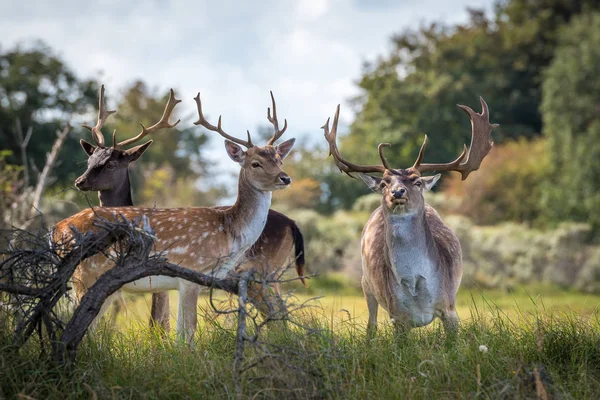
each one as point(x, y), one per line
point(411, 261)
point(204, 239)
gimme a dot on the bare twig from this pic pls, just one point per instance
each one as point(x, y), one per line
point(50, 161)
point(241, 332)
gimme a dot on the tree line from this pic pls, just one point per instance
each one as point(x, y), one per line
point(533, 61)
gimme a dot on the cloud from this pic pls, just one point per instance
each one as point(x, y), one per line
point(309, 52)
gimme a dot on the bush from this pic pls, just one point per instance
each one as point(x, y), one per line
point(512, 254)
point(507, 187)
point(571, 95)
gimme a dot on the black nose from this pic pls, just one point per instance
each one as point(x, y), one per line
point(399, 193)
point(285, 179)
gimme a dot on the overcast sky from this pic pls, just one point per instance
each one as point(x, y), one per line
point(309, 52)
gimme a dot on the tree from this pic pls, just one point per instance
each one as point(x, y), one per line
point(173, 162)
point(39, 93)
point(571, 115)
point(412, 91)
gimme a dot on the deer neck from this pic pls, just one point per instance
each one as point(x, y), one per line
point(248, 216)
point(410, 248)
point(119, 196)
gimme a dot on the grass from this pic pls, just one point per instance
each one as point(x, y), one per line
point(536, 342)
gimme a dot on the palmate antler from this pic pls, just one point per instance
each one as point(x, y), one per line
point(468, 161)
point(480, 146)
point(103, 115)
point(346, 166)
point(248, 144)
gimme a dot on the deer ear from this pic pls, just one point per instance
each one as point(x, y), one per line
point(136, 152)
point(87, 147)
point(430, 181)
point(372, 182)
point(283, 149)
point(235, 152)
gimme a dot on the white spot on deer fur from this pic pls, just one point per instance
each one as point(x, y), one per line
point(221, 228)
point(179, 226)
point(171, 219)
point(180, 249)
point(185, 219)
point(157, 223)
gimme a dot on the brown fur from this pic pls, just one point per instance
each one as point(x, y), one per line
point(418, 227)
point(203, 239)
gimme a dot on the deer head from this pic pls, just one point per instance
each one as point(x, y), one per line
point(261, 165)
point(107, 166)
point(403, 189)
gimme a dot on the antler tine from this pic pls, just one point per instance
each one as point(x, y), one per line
point(161, 124)
point(480, 145)
point(204, 122)
point(103, 114)
point(277, 134)
point(343, 165)
point(383, 159)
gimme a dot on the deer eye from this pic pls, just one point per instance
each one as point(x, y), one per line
point(256, 164)
point(418, 183)
point(383, 184)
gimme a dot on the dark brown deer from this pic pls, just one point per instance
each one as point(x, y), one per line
point(411, 261)
point(108, 174)
point(203, 239)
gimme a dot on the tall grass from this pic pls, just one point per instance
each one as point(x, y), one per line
point(524, 354)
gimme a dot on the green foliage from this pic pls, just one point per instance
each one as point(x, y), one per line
point(175, 156)
point(507, 187)
point(412, 91)
point(329, 241)
point(39, 91)
point(572, 123)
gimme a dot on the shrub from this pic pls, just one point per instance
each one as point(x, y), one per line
point(508, 186)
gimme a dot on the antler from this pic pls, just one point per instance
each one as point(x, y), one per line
point(346, 166)
point(161, 124)
point(479, 148)
point(203, 121)
point(277, 134)
point(103, 114)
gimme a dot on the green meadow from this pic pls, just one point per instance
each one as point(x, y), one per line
point(525, 343)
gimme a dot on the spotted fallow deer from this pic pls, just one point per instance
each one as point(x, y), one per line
point(108, 173)
point(411, 261)
point(203, 239)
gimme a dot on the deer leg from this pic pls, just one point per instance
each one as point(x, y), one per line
point(118, 306)
point(188, 311)
point(373, 307)
point(267, 299)
point(450, 322)
point(160, 315)
point(107, 303)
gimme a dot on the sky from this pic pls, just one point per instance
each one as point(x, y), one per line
point(309, 52)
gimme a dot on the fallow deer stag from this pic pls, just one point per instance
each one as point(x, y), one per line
point(203, 239)
point(108, 173)
point(411, 261)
